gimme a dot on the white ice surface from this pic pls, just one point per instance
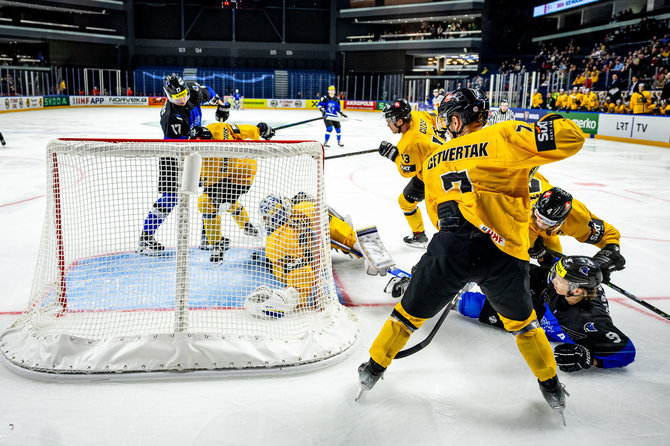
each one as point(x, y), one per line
point(470, 386)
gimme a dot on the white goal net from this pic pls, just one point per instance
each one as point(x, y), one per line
point(194, 256)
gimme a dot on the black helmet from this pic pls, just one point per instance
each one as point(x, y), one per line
point(175, 87)
point(472, 106)
point(398, 109)
point(579, 271)
point(553, 206)
point(199, 132)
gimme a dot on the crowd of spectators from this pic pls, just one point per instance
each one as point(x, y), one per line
point(425, 30)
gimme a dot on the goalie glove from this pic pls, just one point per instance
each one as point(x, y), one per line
point(609, 259)
point(265, 130)
point(572, 357)
point(388, 150)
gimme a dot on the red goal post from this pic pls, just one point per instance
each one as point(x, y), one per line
point(100, 308)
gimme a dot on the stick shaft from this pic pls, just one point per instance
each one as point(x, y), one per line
point(298, 123)
point(351, 154)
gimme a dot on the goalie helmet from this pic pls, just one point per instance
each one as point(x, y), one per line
point(199, 132)
point(471, 105)
point(175, 89)
point(579, 271)
point(274, 211)
point(398, 109)
point(553, 207)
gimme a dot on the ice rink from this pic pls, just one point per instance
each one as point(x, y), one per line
point(470, 386)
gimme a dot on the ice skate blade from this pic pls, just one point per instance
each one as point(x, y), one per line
point(560, 411)
point(148, 253)
point(417, 245)
point(360, 392)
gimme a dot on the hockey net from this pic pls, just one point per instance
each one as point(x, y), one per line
point(97, 306)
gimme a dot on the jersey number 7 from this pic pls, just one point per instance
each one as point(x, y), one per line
point(450, 179)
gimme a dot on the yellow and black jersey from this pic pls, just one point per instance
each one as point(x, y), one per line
point(486, 174)
point(580, 222)
point(419, 141)
point(235, 170)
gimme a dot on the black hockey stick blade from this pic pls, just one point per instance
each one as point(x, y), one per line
point(298, 123)
point(620, 290)
point(351, 154)
point(421, 345)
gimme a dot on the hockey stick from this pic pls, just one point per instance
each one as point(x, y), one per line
point(298, 123)
point(351, 154)
point(620, 290)
point(421, 345)
point(346, 249)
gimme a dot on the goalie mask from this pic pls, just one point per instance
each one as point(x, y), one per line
point(175, 89)
point(274, 211)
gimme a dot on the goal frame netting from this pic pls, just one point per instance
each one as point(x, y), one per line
point(55, 340)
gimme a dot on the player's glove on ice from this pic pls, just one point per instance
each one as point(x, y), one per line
point(388, 150)
point(572, 357)
point(266, 131)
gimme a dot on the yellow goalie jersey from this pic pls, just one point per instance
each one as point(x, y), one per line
point(486, 174)
point(236, 170)
point(580, 223)
point(419, 141)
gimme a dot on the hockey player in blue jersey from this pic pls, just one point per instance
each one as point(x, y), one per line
point(180, 113)
point(572, 309)
point(329, 106)
point(237, 99)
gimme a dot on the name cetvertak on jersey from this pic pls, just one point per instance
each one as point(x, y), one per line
point(476, 150)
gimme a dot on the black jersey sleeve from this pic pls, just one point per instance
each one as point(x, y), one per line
point(174, 125)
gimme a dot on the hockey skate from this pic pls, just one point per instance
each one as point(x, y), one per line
point(2, 140)
point(339, 143)
point(417, 240)
point(148, 246)
point(554, 394)
point(325, 144)
point(368, 374)
point(250, 230)
point(219, 249)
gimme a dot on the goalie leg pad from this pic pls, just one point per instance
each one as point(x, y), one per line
point(303, 281)
point(271, 303)
point(533, 345)
point(341, 231)
point(394, 335)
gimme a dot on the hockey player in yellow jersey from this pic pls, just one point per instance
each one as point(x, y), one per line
point(224, 181)
point(418, 140)
point(555, 212)
point(477, 196)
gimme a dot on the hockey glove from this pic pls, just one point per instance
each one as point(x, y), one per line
point(538, 250)
point(322, 110)
point(343, 115)
point(609, 259)
point(222, 112)
point(396, 286)
point(572, 357)
point(266, 131)
point(388, 150)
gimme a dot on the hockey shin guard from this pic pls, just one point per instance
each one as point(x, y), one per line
point(533, 345)
point(394, 335)
point(211, 219)
point(412, 213)
point(161, 209)
point(239, 214)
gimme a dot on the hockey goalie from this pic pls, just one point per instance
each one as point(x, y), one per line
point(291, 253)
